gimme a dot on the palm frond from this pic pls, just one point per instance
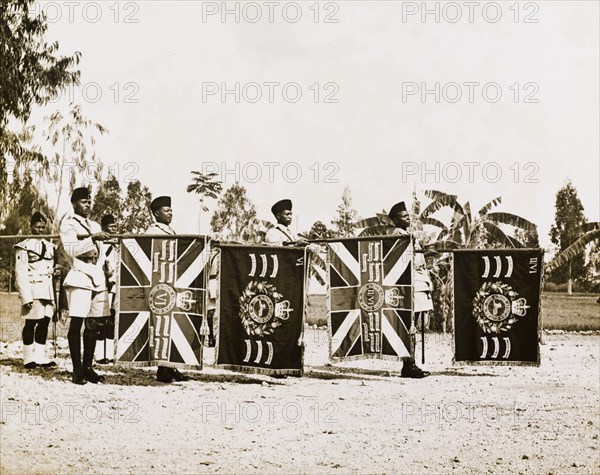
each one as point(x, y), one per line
point(578, 247)
point(498, 235)
point(379, 230)
point(442, 201)
point(495, 202)
point(367, 222)
point(434, 222)
point(513, 220)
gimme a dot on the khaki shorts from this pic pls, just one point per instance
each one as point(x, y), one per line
point(38, 311)
point(86, 303)
point(423, 302)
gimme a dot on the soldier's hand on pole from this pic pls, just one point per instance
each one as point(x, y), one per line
point(101, 236)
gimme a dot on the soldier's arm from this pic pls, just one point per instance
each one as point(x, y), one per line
point(22, 277)
point(74, 247)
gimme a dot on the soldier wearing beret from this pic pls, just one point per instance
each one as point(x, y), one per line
point(34, 268)
point(281, 234)
point(105, 346)
point(163, 214)
point(422, 284)
point(85, 283)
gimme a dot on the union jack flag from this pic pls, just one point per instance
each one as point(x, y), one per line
point(161, 301)
point(370, 295)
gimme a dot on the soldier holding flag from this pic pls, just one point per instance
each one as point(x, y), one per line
point(87, 294)
point(422, 284)
point(34, 268)
point(281, 234)
point(163, 214)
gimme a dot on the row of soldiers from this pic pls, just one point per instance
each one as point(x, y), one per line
point(91, 287)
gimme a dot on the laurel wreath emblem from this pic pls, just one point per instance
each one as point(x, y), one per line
point(265, 297)
point(494, 307)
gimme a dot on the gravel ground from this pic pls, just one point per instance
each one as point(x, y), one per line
point(358, 417)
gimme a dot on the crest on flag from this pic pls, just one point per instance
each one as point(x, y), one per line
point(161, 301)
point(496, 306)
point(370, 296)
point(261, 309)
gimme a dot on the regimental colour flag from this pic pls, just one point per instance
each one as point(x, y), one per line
point(261, 309)
point(370, 295)
point(162, 301)
point(496, 306)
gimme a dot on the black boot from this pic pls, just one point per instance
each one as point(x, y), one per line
point(75, 350)
point(179, 376)
point(411, 370)
point(89, 345)
point(164, 374)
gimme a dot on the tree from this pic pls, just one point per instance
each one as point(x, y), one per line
point(346, 216)
point(319, 231)
point(136, 216)
point(529, 239)
point(205, 186)
point(73, 151)
point(588, 233)
point(233, 213)
point(32, 73)
point(566, 231)
point(108, 200)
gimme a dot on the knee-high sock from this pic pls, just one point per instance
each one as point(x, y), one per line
point(90, 334)
point(41, 330)
point(74, 338)
point(29, 331)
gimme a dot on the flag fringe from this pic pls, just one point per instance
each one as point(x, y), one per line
point(495, 363)
point(265, 371)
point(167, 364)
point(368, 356)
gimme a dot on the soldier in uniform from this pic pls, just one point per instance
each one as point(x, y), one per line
point(281, 234)
point(422, 284)
point(105, 346)
point(85, 283)
point(163, 214)
point(34, 268)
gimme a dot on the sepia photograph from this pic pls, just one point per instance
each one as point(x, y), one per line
point(299, 237)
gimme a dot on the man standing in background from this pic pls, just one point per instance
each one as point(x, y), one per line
point(34, 268)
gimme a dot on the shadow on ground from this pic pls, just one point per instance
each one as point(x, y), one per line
point(129, 376)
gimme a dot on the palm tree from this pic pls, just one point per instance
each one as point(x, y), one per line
point(206, 187)
point(463, 232)
point(589, 232)
point(479, 232)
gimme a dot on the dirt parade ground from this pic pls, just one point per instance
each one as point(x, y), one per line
point(355, 417)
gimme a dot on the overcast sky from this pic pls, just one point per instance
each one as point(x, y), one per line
point(299, 100)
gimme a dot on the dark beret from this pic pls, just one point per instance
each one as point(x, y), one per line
point(397, 208)
point(281, 206)
point(107, 219)
point(159, 202)
point(37, 217)
point(80, 194)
